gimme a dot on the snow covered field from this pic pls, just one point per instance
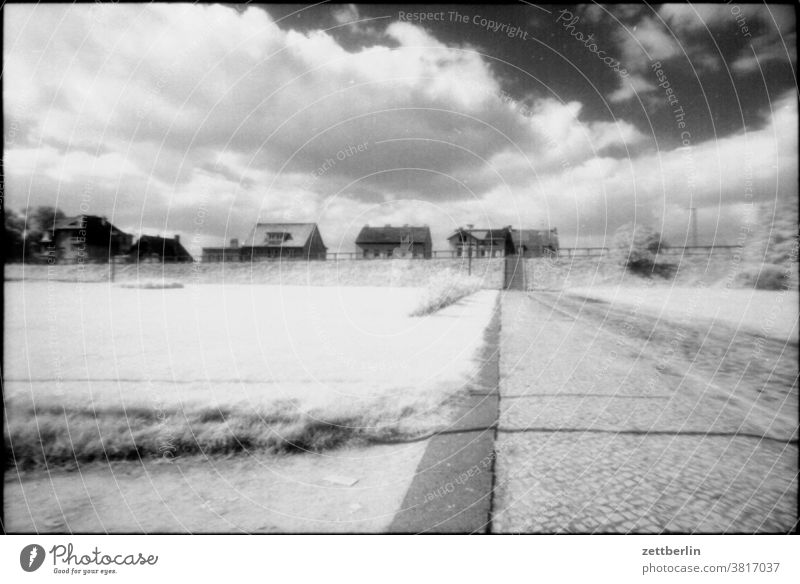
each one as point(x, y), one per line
point(106, 347)
point(766, 313)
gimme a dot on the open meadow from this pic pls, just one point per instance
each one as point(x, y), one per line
point(98, 371)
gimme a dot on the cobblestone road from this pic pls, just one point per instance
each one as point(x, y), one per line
point(613, 422)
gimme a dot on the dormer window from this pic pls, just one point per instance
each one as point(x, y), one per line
point(277, 237)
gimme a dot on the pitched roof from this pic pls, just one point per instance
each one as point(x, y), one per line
point(70, 222)
point(82, 222)
point(483, 234)
point(534, 236)
point(162, 246)
point(391, 234)
point(299, 234)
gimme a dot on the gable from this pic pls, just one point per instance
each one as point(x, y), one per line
point(281, 235)
point(393, 235)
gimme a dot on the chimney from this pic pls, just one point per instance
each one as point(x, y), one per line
point(470, 226)
point(177, 238)
point(234, 243)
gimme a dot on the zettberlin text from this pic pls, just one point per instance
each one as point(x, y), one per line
point(666, 551)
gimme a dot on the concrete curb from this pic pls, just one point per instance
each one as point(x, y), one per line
point(452, 489)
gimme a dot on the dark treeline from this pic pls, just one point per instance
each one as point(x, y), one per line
point(23, 231)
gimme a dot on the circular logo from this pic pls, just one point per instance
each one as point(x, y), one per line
point(31, 557)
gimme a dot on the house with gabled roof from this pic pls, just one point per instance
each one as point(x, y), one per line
point(154, 248)
point(287, 241)
point(87, 238)
point(482, 243)
point(535, 243)
point(388, 242)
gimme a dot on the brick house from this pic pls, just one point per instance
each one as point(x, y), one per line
point(395, 242)
point(87, 238)
point(484, 243)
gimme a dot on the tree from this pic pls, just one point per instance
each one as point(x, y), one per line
point(637, 246)
point(769, 255)
point(38, 221)
point(13, 236)
point(774, 235)
point(44, 218)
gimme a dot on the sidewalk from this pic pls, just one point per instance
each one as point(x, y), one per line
point(596, 434)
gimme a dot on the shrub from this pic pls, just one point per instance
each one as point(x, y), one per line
point(444, 289)
point(636, 247)
point(152, 284)
point(767, 277)
point(774, 237)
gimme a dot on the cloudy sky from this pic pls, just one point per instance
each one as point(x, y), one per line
point(203, 119)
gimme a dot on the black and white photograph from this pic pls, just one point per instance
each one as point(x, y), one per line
point(400, 269)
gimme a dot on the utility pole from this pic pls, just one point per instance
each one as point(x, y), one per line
point(693, 220)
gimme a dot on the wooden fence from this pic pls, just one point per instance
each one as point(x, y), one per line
point(564, 252)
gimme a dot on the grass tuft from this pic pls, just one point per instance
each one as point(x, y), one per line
point(445, 289)
point(152, 284)
point(65, 437)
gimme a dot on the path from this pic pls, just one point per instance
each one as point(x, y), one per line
point(610, 425)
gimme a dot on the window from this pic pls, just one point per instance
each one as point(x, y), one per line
point(389, 253)
point(277, 237)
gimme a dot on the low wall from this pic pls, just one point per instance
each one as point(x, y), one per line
point(315, 273)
